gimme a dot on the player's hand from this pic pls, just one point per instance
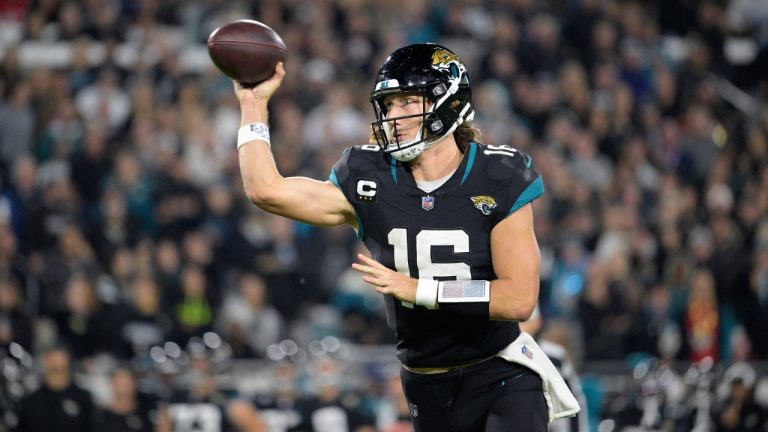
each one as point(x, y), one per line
point(385, 280)
point(263, 91)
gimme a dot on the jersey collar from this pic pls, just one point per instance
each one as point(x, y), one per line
point(401, 174)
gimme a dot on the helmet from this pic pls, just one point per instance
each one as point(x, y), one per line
point(434, 72)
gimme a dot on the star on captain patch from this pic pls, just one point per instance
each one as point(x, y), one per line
point(484, 203)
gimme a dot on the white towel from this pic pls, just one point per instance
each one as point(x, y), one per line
point(525, 351)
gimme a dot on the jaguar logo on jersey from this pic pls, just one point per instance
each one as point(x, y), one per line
point(366, 190)
point(446, 60)
point(428, 202)
point(527, 352)
point(484, 203)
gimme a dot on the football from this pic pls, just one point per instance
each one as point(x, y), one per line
point(246, 51)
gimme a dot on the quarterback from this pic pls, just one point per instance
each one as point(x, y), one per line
point(449, 226)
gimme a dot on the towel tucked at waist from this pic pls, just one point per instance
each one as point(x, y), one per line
point(525, 351)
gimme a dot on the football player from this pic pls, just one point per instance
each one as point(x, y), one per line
point(449, 226)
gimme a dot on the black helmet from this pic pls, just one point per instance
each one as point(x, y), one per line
point(438, 74)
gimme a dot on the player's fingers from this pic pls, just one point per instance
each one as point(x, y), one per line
point(365, 259)
point(277, 77)
point(373, 281)
point(370, 267)
point(371, 262)
point(364, 268)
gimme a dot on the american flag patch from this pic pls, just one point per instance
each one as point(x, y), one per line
point(463, 291)
point(526, 352)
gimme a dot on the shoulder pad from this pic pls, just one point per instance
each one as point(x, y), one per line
point(362, 158)
point(340, 170)
point(506, 163)
point(513, 172)
point(366, 157)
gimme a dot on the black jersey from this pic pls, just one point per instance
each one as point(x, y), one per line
point(442, 235)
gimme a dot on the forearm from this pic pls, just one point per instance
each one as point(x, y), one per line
point(253, 111)
point(257, 165)
point(500, 299)
point(299, 198)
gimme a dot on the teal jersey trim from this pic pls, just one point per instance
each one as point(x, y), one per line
point(360, 233)
point(333, 178)
point(335, 181)
point(533, 191)
point(470, 161)
point(393, 168)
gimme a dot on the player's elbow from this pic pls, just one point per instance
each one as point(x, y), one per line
point(525, 312)
point(515, 311)
point(258, 197)
point(515, 304)
point(529, 300)
point(262, 194)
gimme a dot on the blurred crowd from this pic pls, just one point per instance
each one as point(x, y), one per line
point(124, 226)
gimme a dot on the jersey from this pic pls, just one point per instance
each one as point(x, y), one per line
point(442, 235)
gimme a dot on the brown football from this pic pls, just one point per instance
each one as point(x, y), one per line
point(246, 51)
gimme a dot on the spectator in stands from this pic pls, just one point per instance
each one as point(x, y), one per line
point(82, 324)
point(113, 227)
point(15, 323)
point(739, 412)
point(333, 408)
point(701, 320)
point(759, 285)
point(199, 404)
point(278, 407)
point(127, 410)
point(248, 321)
point(17, 122)
point(91, 164)
point(64, 138)
point(143, 323)
point(59, 404)
point(12, 262)
point(104, 102)
point(602, 315)
point(193, 311)
point(393, 415)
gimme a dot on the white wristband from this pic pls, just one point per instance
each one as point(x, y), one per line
point(253, 131)
point(426, 293)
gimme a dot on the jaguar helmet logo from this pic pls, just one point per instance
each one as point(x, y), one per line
point(484, 203)
point(448, 61)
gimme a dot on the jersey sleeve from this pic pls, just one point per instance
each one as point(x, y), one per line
point(519, 182)
point(340, 172)
point(342, 176)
